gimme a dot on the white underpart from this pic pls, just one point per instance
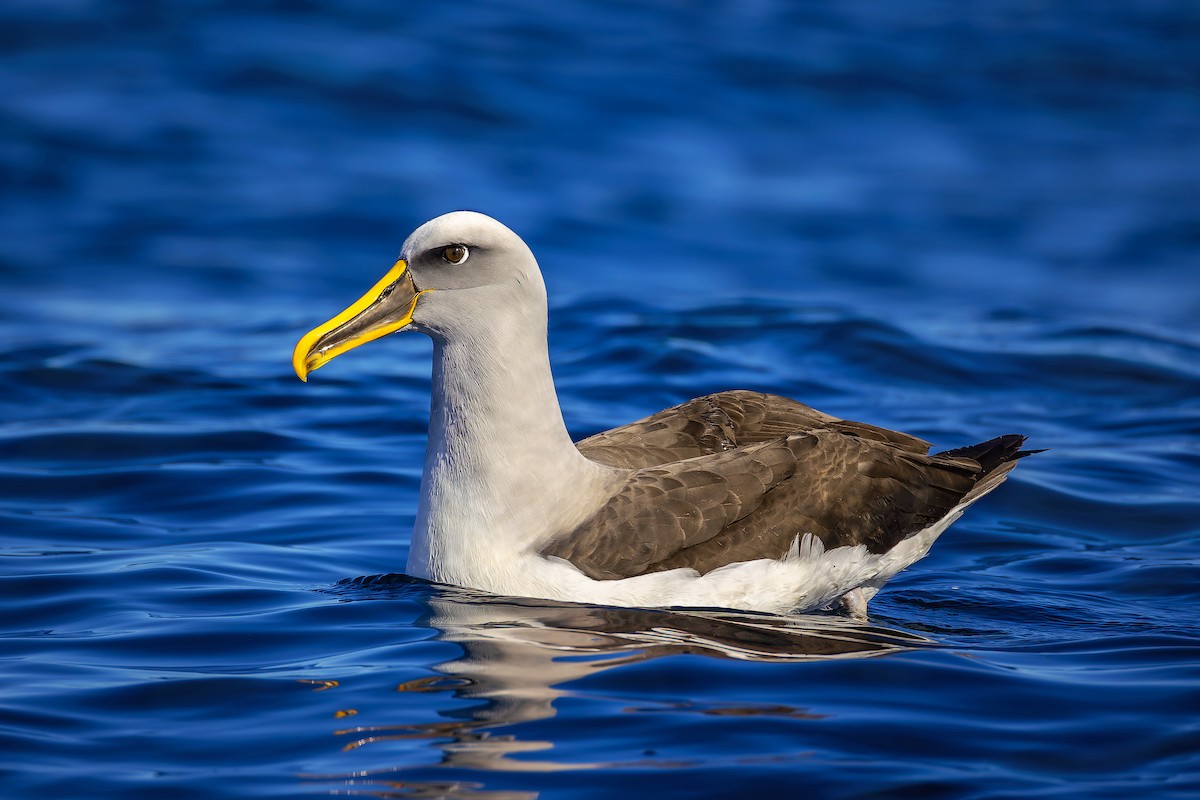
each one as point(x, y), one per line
point(812, 580)
point(502, 476)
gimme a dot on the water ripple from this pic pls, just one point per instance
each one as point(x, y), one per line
point(957, 224)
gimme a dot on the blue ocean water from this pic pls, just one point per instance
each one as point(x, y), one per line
point(955, 220)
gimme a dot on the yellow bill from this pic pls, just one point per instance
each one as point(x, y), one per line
point(387, 307)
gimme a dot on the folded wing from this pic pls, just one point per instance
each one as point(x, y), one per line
point(738, 476)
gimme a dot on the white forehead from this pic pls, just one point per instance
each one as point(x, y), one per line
point(460, 227)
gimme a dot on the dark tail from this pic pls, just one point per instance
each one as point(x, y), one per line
point(994, 452)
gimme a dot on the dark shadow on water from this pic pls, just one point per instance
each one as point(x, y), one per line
point(520, 655)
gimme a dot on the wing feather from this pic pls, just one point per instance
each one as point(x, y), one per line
point(720, 422)
point(750, 503)
point(663, 510)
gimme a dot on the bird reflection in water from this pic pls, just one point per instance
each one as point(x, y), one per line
point(520, 655)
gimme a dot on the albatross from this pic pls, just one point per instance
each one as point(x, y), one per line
point(737, 500)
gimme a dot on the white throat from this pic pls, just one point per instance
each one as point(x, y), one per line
point(501, 472)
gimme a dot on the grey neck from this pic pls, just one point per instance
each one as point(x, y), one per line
point(501, 472)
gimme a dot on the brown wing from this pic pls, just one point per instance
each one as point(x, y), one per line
point(664, 510)
point(720, 422)
point(751, 503)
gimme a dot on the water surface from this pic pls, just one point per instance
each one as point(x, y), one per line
point(955, 222)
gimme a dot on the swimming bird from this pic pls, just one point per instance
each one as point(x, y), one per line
point(737, 500)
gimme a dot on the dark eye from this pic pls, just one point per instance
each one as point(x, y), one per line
point(455, 254)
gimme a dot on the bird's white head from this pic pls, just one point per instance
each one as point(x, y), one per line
point(457, 274)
